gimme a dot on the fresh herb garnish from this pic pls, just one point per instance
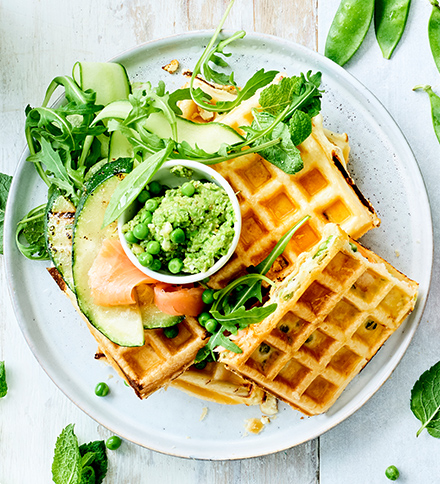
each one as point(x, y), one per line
point(5, 184)
point(3, 383)
point(31, 228)
point(78, 465)
point(229, 308)
point(425, 401)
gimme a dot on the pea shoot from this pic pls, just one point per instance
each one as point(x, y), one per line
point(102, 389)
point(113, 442)
point(392, 472)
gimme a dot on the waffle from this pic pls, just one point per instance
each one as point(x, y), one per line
point(334, 312)
point(153, 365)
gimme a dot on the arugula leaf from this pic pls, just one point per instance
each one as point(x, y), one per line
point(284, 155)
point(31, 227)
point(130, 187)
point(219, 339)
point(66, 466)
point(99, 463)
point(3, 383)
point(5, 185)
point(182, 95)
point(243, 317)
point(425, 401)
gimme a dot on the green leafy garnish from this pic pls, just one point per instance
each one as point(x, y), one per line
point(3, 384)
point(31, 228)
point(5, 184)
point(73, 464)
point(425, 401)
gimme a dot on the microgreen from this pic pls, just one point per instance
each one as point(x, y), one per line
point(31, 228)
point(74, 464)
point(5, 184)
point(3, 383)
point(229, 307)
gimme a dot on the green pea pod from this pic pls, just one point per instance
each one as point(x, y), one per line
point(348, 29)
point(390, 18)
point(434, 32)
point(435, 108)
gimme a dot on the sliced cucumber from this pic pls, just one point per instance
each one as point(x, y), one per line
point(208, 136)
point(152, 316)
point(59, 220)
point(119, 147)
point(121, 324)
point(108, 79)
point(114, 110)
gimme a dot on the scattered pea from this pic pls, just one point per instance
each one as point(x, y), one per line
point(188, 189)
point(143, 196)
point(147, 217)
point(203, 317)
point(156, 265)
point(208, 296)
point(211, 325)
point(171, 332)
point(392, 472)
point(153, 247)
point(140, 231)
point(177, 236)
point(101, 389)
point(151, 205)
point(175, 265)
point(130, 238)
point(145, 259)
point(155, 188)
point(113, 442)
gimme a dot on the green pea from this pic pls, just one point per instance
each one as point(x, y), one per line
point(147, 217)
point(143, 196)
point(153, 247)
point(200, 365)
point(177, 236)
point(140, 231)
point(188, 189)
point(156, 265)
point(155, 188)
point(211, 325)
point(171, 332)
point(101, 389)
point(348, 29)
point(203, 317)
point(113, 442)
point(151, 205)
point(208, 296)
point(175, 265)
point(145, 259)
point(392, 472)
point(130, 238)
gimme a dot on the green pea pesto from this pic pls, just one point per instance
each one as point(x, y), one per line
point(206, 219)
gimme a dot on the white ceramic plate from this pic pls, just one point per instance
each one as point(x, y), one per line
point(386, 172)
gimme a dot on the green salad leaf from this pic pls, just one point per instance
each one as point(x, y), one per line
point(3, 383)
point(425, 401)
point(94, 456)
point(5, 185)
point(31, 229)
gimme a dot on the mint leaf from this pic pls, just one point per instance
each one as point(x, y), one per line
point(3, 384)
point(99, 463)
point(66, 466)
point(300, 127)
point(277, 96)
point(88, 475)
point(5, 184)
point(425, 401)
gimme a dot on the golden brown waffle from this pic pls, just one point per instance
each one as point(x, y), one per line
point(334, 312)
point(151, 366)
point(272, 202)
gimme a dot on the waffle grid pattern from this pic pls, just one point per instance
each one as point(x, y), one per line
point(314, 344)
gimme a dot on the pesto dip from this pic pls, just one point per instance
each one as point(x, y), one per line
point(182, 230)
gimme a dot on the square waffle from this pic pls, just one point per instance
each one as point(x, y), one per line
point(151, 366)
point(335, 310)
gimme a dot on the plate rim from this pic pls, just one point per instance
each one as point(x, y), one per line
point(418, 311)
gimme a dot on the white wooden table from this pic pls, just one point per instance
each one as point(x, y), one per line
point(42, 39)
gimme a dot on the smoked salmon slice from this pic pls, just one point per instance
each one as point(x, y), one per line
point(113, 277)
point(178, 300)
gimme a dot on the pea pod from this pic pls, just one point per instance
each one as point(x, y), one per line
point(434, 32)
point(348, 29)
point(390, 18)
point(435, 108)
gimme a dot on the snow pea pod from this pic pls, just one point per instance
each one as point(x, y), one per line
point(348, 29)
point(434, 32)
point(390, 18)
point(435, 108)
